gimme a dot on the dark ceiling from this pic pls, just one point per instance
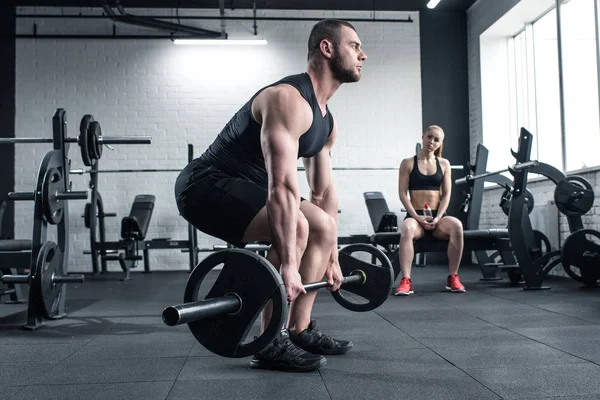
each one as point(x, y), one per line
point(392, 5)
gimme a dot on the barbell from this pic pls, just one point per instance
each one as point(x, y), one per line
point(513, 168)
point(221, 320)
point(90, 140)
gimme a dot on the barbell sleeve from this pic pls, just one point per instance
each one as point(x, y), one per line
point(524, 165)
point(21, 196)
point(125, 140)
point(15, 279)
point(68, 279)
point(191, 312)
point(81, 195)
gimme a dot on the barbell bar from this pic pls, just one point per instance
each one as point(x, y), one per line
point(516, 168)
point(231, 303)
point(25, 196)
point(24, 279)
point(101, 140)
point(105, 171)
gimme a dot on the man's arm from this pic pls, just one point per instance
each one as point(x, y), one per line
point(284, 116)
point(320, 177)
point(446, 188)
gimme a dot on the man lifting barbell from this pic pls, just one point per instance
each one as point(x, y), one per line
point(244, 187)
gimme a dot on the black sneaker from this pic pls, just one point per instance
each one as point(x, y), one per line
point(283, 355)
point(316, 342)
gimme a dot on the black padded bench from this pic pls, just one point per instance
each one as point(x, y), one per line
point(15, 245)
point(15, 256)
point(135, 225)
point(133, 232)
point(482, 239)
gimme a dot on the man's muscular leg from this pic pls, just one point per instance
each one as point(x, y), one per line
point(281, 354)
point(259, 229)
point(322, 237)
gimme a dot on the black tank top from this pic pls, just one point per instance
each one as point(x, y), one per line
point(418, 181)
point(237, 150)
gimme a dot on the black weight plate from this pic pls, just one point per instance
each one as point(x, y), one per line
point(542, 242)
point(548, 261)
point(87, 215)
point(48, 266)
point(93, 140)
point(507, 199)
point(379, 278)
point(254, 280)
point(83, 139)
point(51, 206)
point(580, 255)
point(574, 196)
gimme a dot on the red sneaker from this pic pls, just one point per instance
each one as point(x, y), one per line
point(453, 284)
point(405, 288)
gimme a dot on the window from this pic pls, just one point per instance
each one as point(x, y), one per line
point(580, 82)
point(545, 54)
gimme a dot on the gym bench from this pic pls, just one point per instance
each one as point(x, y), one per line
point(133, 234)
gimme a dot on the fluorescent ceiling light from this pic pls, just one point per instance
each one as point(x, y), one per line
point(433, 3)
point(220, 42)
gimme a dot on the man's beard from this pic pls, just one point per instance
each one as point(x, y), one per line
point(341, 73)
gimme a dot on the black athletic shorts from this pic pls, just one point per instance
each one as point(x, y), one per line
point(217, 203)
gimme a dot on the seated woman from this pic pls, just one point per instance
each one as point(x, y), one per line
point(426, 178)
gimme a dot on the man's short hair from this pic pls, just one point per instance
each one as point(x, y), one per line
point(325, 29)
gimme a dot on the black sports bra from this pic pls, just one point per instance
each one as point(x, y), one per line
point(418, 181)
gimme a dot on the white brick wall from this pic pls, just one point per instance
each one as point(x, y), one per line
point(181, 94)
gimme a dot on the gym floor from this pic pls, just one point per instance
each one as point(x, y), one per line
point(494, 342)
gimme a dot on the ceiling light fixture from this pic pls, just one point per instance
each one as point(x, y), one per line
point(220, 42)
point(433, 3)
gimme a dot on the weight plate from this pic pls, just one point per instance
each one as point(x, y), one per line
point(93, 140)
point(542, 242)
point(548, 261)
point(580, 255)
point(574, 196)
point(87, 215)
point(254, 281)
point(379, 278)
point(83, 139)
point(51, 206)
point(49, 266)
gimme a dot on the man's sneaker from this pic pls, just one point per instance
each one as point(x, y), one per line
point(283, 355)
point(453, 284)
point(405, 288)
point(316, 342)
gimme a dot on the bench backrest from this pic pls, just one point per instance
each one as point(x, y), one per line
point(135, 226)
